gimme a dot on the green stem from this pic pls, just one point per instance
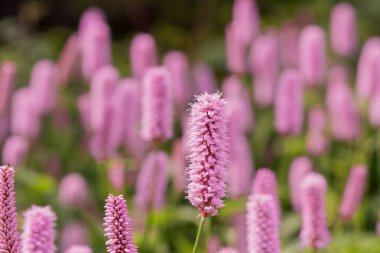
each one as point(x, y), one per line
point(201, 225)
point(148, 225)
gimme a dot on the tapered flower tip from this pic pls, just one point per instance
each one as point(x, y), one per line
point(15, 150)
point(92, 14)
point(8, 68)
point(73, 190)
point(118, 226)
point(299, 168)
point(157, 111)
point(79, 249)
point(314, 181)
point(142, 54)
point(246, 18)
point(312, 55)
point(39, 230)
point(209, 151)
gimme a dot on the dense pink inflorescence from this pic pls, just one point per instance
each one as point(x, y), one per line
point(264, 67)
point(299, 168)
point(118, 226)
point(39, 230)
point(157, 119)
point(15, 149)
point(289, 103)
point(209, 151)
point(314, 232)
point(73, 233)
point(94, 42)
point(265, 182)
point(367, 78)
point(344, 112)
point(152, 182)
point(177, 64)
point(312, 55)
point(317, 142)
point(263, 230)
point(245, 16)
point(79, 249)
point(235, 50)
point(73, 190)
point(204, 79)
point(142, 54)
point(353, 192)
point(343, 30)
point(8, 71)
point(9, 235)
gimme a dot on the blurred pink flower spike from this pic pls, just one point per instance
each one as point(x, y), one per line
point(142, 54)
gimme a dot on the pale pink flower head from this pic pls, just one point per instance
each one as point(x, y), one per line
point(157, 115)
point(103, 85)
point(344, 112)
point(289, 107)
point(73, 190)
point(299, 168)
point(343, 30)
point(68, 61)
point(79, 249)
point(312, 55)
point(264, 67)
point(73, 233)
point(353, 192)
point(245, 17)
point(204, 78)
point(235, 50)
point(143, 54)
point(265, 182)
point(15, 150)
point(25, 118)
point(8, 71)
point(39, 230)
point(94, 43)
point(208, 146)
point(314, 232)
point(43, 83)
point(9, 235)
point(262, 223)
point(152, 182)
point(177, 64)
point(118, 226)
point(367, 77)
point(227, 250)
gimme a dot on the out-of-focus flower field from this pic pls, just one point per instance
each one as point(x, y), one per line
point(72, 122)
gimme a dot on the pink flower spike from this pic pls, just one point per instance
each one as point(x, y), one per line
point(263, 230)
point(265, 182)
point(73, 233)
point(73, 190)
point(68, 61)
point(9, 235)
point(152, 182)
point(235, 50)
point(246, 19)
point(312, 55)
point(79, 249)
point(142, 54)
point(157, 115)
point(204, 79)
point(289, 103)
point(8, 71)
point(299, 168)
point(209, 152)
point(118, 226)
point(354, 191)
point(15, 150)
point(314, 232)
point(39, 230)
point(90, 16)
point(177, 64)
point(343, 30)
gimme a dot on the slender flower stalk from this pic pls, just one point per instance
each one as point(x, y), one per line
point(39, 230)
point(79, 249)
point(157, 119)
point(118, 226)
point(9, 235)
point(314, 232)
point(299, 168)
point(354, 191)
point(263, 230)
